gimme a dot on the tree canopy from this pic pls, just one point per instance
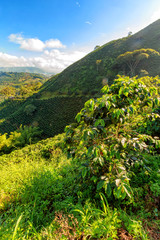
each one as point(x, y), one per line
point(132, 59)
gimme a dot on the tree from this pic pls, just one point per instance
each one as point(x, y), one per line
point(107, 140)
point(97, 63)
point(8, 91)
point(29, 109)
point(96, 47)
point(132, 59)
point(129, 34)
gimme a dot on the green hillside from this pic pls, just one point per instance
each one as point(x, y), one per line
point(24, 69)
point(13, 78)
point(19, 84)
point(82, 80)
point(98, 180)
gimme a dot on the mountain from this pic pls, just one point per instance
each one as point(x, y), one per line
point(63, 95)
point(25, 69)
point(18, 84)
point(16, 78)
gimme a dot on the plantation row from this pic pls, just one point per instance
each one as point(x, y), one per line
point(42, 113)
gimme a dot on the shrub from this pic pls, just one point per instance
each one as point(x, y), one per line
point(17, 139)
point(106, 141)
point(29, 109)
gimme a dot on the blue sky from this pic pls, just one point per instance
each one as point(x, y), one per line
point(52, 34)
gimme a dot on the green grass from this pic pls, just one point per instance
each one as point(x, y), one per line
point(40, 198)
point(34, 187)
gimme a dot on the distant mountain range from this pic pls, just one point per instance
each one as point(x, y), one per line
point(63, 95)
point(25, 69)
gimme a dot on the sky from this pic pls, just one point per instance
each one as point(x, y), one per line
point(52, 34)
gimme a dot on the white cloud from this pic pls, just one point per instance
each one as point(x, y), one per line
point(53, 43)
point(87, 22)
point(34, 44)
point(7, 60)
point(50, 61)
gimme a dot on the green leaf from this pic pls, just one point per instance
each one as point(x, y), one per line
point(105, 89)
point(123, 194)
point(108, 189)
point(100, 122)
point(131, 109)
point(84, 172)
point(117, 192)
point(78, 117)
point(100, 185)
point(156, 101)
point(94, 179)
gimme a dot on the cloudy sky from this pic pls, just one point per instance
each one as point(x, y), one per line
point(52, 34)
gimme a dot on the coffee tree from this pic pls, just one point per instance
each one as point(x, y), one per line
point(106, 140)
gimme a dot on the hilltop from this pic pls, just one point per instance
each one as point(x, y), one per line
point(63, 95)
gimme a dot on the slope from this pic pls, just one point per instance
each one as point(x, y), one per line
point(109, 188)
point(62, 96)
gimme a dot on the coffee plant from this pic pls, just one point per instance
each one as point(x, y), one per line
point(106, 140)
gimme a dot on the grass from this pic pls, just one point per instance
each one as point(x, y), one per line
point(33, 187)
point(40, 199)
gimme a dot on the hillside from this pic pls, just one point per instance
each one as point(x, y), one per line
point(19, 84)
point(24, 69)
point(17, 78)
point(63, 95)
point(98, 180)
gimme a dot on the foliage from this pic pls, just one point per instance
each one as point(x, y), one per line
point(129, 34)
point(8, 91)
point(132, 59)
point(29, 109)
point(20, 85)
point(96, 47)
point(110, 187)
point(50, 121)
point(17, 139)
point(106, 141)
point(82, 81)
point(39, 198)
point(34, 188)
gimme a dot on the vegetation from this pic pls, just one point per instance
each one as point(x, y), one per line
point(19, 85)
point(132, 59)
point(107, 188)
point(23, 70)
point(18, 139)
point(81, 81)
point(40, 113)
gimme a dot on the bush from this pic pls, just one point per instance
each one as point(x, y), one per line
point(107, 142)
point(17, 139)
point(29, 109)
